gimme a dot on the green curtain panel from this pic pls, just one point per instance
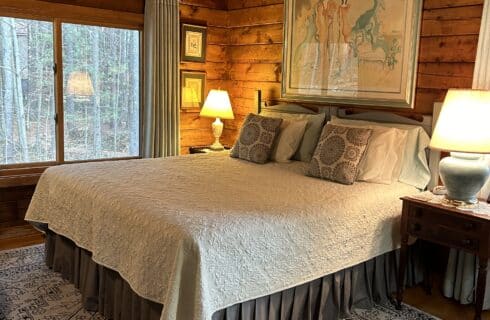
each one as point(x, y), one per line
point(161, 136)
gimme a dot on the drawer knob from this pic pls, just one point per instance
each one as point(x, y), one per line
point(467, 242)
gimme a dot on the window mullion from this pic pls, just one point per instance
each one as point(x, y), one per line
point(58, 54)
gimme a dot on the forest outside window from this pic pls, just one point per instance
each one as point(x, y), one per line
point(100, 92)
point(27, 99)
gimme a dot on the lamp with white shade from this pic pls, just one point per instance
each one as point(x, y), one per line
point(217, 105)
point(463, 129)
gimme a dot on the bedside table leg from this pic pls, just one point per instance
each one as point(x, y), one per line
point(426, 253)
point(401, 272)
point(480, 287)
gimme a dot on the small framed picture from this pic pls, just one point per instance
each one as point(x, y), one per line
point(192, 89)
point(193, 43)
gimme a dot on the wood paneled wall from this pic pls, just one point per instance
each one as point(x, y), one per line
point(449, 39)
point(196, 131)
point(448, 44)
point(256, 39)
point(14, 231)
point(13, 205)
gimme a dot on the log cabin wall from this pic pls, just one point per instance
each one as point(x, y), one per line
point(448, 43)
point(256, 38)
point(196, 131)
point(14, 231)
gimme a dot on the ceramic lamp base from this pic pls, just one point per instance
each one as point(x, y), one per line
point(217, 146)
point(217, 131)
point(464, 175)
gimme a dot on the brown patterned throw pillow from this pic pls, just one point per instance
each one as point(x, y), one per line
point(338, 153)
point(256, 138)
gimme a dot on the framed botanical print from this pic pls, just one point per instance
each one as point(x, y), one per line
point(351, 52)
point(193, 43)
point(192, 90)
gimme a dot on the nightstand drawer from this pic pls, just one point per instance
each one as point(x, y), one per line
point(433, 216)
point(443, 234)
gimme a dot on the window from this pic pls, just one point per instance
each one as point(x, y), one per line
point(100, 92)
point(27, 103)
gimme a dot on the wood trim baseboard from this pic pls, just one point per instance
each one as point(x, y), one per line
point(19, 180)
point(28, 175)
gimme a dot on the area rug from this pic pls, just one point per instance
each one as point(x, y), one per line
point(30, 290)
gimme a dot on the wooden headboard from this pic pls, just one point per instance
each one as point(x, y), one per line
point(358, 113)
point(425, 121)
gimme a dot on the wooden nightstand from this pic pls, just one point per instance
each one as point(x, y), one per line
point(450, 227)
point(193, 150)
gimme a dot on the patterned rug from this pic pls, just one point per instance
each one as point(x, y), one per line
point(30, 290)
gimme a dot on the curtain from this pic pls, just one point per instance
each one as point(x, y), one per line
point(161, 117)
point(481, 77)
point(462, 268)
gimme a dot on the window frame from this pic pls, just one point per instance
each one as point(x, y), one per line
point(28, 173)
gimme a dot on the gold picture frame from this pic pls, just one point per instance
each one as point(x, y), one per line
point(351, 53)
point(193, 43)
point(192, 90)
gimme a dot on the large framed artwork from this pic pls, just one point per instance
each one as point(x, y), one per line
point(351, 52)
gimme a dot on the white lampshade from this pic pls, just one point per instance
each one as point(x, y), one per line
point(463, 123)
point(80, 84)
point(217, 105)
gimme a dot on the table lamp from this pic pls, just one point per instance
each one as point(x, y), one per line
point(463, 129)
point(217, 105)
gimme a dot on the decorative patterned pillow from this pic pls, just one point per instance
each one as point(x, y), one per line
point(256, 138)
point(338, 153)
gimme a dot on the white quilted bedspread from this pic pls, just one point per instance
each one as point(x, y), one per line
point(199, 233)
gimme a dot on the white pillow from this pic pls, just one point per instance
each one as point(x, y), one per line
point(415, 168)
point(288, 140)
point(312, 132)
point(383, 160)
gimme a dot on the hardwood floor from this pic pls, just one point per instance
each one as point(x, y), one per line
point(435, 304)
point(438, 305)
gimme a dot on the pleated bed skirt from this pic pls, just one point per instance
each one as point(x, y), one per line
point(331, 297)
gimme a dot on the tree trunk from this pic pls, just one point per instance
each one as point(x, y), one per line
point(48, 126)
point(3, 139)
point(19, 97)
point(96, 99)
point(38, 47)
point(30, 48)
point(8, 92)
point(115, 107)
point(134, 88)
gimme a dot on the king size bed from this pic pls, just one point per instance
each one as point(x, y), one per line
point(213, 237)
